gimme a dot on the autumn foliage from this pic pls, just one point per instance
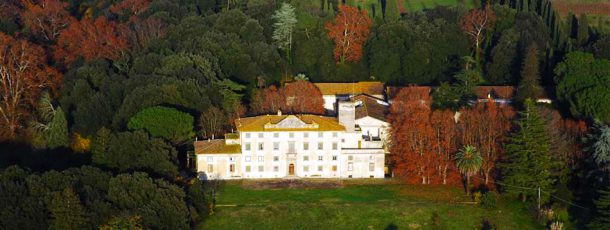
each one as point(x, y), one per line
point(349, 31)
point(130, 7)
point(46, 18)
point(475, 23)
point(91, 39)
point(24, 73)
point(299, 97)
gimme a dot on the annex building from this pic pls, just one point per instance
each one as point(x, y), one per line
point(350, 145)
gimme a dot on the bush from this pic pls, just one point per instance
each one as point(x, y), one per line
point(489, 200)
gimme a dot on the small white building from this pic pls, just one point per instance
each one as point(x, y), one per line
point(335, 92)
point(296, 146)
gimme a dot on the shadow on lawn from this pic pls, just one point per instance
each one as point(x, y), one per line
point(391, 226)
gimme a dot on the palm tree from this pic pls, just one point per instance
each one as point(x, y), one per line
point(468, 161)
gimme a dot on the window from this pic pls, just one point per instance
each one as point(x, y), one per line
point(261, 168)
point(232, 159)
point(306, 135)
point(334, 168)
point(305, 146)
point(291, 135)
point(248, 168)
point(371, 158)
point(350, 158)
point(261, 146)
point(371, 167)
point(350, 166)
point(276, 145)
point(320, 134)
point(261, 158)
point(231, 168)
point(210, 168)
point(276, 135)
point(334, 158)
point(261, 135)
point(334, 134)
point(320, 168)
point(276, 158)
point(210, 159)
point(247, 146)
point(291, 148)
point(305, 168)
point(320, 145)
point(320, 158)
point(305, 158)
point(276, 168)
point(335, 145)
point(248, 158)
point(247, 135)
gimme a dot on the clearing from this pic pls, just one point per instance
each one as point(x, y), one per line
point(357, 204)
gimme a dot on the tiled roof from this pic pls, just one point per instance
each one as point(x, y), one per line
point(267, 123)
point(367, 87)
point(369, 106)
point(216, 147)
point(392, 91)
point(496, 92)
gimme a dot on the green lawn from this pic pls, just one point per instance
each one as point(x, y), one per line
point(360, 205)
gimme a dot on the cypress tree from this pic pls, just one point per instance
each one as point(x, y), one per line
point(57, 134)
point(67, 211)
point(529, 85)
point(582, 33)
point(528, 159)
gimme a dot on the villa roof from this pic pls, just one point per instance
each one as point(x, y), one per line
point(370, 107)
point(216, 147)
point(367, 87)
point(497, 92)
point(268, 123)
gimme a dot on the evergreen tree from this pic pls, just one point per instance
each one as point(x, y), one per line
point(602, 205)
point(285, 22)
point(528, 159)
point(57, 133)
point(582, 33)
point(529, 85)
point(67, 211)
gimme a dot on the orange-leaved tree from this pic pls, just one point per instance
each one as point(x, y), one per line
point(130, 7)
point(474, 24)
point(412, 136)
point(485, 127)
point(303, 97)
point(349, 31)
point(24, 73)
point(46, 18)
point(446, 143)
point(91, 39)
point(267, 101)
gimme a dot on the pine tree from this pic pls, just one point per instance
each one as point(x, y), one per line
point(529, 85)
point(528, 160)
point(602, 205)
point(67, 211)
point(57, 133)
point(285, 22)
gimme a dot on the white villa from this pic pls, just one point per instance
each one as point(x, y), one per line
point(335, 92)
point(350, 145)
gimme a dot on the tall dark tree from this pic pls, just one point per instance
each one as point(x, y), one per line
point(529, 85)
point(528, 160)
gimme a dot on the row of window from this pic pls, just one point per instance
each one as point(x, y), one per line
point(277, 158)
point(291, 146)
point(290, 135)
point(261, 168)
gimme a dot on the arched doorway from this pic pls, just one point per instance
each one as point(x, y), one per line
point(291, 170)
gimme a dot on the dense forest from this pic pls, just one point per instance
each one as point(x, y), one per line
point(100, 100)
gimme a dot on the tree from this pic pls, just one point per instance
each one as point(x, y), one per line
point(599, 145)
point(528, 160)
point(130, 151)
point(57, 134)
point(90, 39)
point(167, 123)
point(286, 21)
point(130, 7)
point(303, 97)
point(46, 18)
point(445, 143)
point(602, 208)
point(67, 211)
point(23, 75)
point(468, 161)
point(582, 84)
point(474, 24)
point(529, 85)
point(349, 31)
point(267, 101)
point(212, 122)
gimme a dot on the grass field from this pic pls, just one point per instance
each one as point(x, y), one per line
point(360, 204)
point(597, 11)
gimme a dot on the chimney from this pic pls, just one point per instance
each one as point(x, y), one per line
point(347, 115)
point(279, 112)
